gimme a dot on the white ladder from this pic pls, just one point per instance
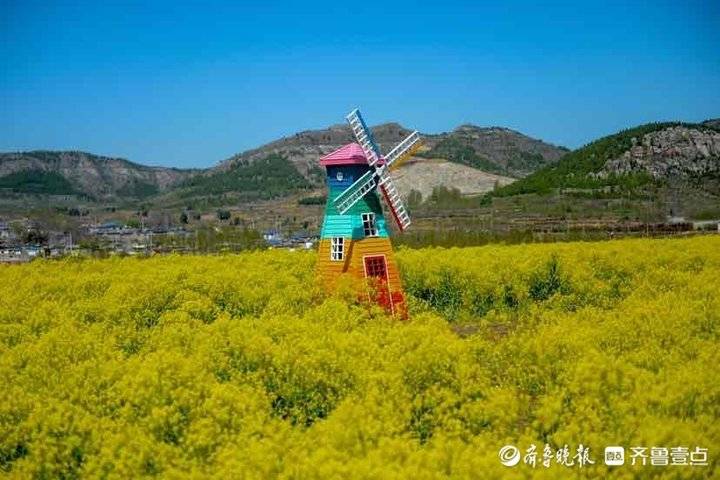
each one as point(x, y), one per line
point(362, 134)
point(411, 142)
point(364, 186)
point(395, 202)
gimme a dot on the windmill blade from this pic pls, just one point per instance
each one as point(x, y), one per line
point(404, 149)
point(356, 191)
point(394, 202)
point(364, 137)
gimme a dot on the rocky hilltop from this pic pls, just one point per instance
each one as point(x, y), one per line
point(494, 149)
point(92, 175)
point(671, 152)
point(303, 149)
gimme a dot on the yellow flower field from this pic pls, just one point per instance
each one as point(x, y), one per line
point(240, 366)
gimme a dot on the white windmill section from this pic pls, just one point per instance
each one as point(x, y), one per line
point(423, 175)
point(378, 177)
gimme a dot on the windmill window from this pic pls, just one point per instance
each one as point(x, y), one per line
point(369, 226)
point(337, 249)
point(375, 267)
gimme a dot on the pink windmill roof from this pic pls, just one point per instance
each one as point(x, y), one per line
point(348, 155)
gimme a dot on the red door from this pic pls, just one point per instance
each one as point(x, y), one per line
point(376, 271)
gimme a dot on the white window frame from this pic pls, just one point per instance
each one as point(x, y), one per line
point(369, 224)
point(337, 249)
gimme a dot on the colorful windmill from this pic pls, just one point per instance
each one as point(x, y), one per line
point(354, 238)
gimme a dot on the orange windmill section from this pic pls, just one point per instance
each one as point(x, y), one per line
point(356, 243)
point(366, 259)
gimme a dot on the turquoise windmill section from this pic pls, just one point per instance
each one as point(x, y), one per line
point(349, 225)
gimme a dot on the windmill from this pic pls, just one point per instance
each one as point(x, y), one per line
point(354, 238)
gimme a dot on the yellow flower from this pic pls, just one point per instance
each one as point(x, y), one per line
point(241, 366)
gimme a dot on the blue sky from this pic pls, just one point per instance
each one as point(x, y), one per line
point(188, 84)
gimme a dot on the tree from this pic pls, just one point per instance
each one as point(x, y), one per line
point(414, 198)
point(184, 218)
point(223, 215)
point(133, 223)
point(35, 237)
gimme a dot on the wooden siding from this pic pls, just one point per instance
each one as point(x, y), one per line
point(350, 174)
point(353, 263)
point(351, 226)
point(369, 203)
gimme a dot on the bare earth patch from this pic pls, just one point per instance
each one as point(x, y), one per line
point(423, 175)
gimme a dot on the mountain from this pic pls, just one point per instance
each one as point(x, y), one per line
point(471, 159)
point(651, 153)
point(493, 149)
point(278, 168)
point(262, 178)
point(303, 149)
point(94, 176)
point(649, 172)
